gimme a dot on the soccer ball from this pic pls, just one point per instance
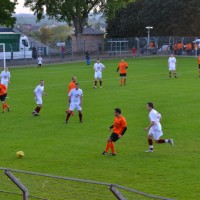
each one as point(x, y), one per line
point(20, 154)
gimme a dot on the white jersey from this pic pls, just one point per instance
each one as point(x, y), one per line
point(39, 91)
point(172, 63)
point(5, 77)
point(98, 67)
point(39, 61)
point(75, 95)
point(155, 117)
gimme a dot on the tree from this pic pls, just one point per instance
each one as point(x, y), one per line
point(6, 10)
point(128, 21)
point(75, 11)
point(169, 17)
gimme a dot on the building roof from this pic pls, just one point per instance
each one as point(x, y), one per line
point(92, 31)
point(5, 29)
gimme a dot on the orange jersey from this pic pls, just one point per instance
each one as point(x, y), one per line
point(122, 67)
point(71, 86)
point(199, 60)
point(119, 124)
point(3, 89)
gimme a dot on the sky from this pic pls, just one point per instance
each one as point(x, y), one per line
point(20, 8)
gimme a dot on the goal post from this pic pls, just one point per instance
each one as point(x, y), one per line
point(4, 54)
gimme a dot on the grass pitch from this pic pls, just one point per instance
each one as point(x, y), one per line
point(74, 149)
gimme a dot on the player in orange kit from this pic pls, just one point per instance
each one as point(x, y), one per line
point(3, 94)
point(122, 66)
point(199, 64)
point(119, 128)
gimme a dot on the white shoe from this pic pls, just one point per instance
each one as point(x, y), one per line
point(171, 141)
point(100, 86)
point(95, 87)
point(149, 151)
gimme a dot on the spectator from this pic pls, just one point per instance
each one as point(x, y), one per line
point(62, 49)
point(87, 56)
point(134, 51)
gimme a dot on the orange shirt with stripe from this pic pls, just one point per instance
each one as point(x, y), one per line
point(122, 67)
point(71, 86)
point(119, 124)
point(3, 89)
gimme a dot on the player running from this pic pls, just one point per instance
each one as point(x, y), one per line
point(155, 129)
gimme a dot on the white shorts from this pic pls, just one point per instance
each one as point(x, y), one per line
point(172, 68)
point(38, 100)
point(5, 83)
point(156, 133)
point(74, 106)
point(98, 75)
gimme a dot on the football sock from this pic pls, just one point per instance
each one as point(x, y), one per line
point(5, 105)
point(112, 144)
point(120, 82)
point(37, 109)
point(95, 83)
point(100, 83)
point(80, 116)
point(161, 141)
point(169, 74)
point(68, 116)
point(150, 141)
point(124, 81)
point(107, 147)
point(151, 147)
point(199, 72)
point(175, 74)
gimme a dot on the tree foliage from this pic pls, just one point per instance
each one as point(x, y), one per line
point(170, 17)
point(73, 11)
point(7, 8)
point(53, 35)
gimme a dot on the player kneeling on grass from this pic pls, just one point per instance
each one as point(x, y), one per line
point(75, 102)
point(38, 93)
point(119, 128)
point(155, 129)
point(3, 94)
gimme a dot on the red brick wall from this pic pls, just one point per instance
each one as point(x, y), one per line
point(89, 42)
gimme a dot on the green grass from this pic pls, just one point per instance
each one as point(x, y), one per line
point(74, 149)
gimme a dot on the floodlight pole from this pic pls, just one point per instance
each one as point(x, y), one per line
point(148, 36)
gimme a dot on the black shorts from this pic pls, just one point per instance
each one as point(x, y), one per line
point(122, 74)
point(114, 137)
point(3, 97)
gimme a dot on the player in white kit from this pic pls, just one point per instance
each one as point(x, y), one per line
point(75, 97)
point(39, 61)
point(98, 68)
point(5, 77)
point(172, 65)
point(38, 93)
point(155, 129)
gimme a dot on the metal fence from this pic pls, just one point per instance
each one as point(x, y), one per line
point(17, 185)
point(163, 45)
